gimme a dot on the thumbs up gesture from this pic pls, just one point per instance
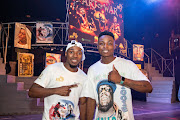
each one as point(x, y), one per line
point(114, 76)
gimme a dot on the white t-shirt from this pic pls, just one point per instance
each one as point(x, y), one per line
point(113, 101)
point(61, 107)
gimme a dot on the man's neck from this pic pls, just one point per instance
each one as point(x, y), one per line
point(68, 67)
point(107, 60)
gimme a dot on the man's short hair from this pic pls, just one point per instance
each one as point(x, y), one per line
point(106, 33)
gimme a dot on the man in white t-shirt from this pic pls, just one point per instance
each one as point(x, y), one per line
point(118, 75)
point(61, 84)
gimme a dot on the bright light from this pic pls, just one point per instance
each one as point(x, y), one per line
point(152, 1)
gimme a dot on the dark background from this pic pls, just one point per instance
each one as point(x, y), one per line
point(145, 22)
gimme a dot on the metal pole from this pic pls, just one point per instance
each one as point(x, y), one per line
point(148, 65)
point(7, 38)
point(0, 34)
point(162, 66)
point(173, 68)
point(62, 34)
point(151, 56)
point(3, 43)
point(177, 20)
point(67, 10)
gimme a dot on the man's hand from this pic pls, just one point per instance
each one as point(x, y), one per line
point(114, 76)
point(37, 91)
point(65, 90)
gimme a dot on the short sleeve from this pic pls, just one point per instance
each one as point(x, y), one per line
point(88, 87)
point(136, 73)
point(44, 77)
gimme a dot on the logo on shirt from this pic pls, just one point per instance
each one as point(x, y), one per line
point(60, 79)
point(63, 110)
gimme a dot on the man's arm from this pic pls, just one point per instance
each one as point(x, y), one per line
point(91, 104)
point(82, 107)
point(37, 91)
point(140, 86)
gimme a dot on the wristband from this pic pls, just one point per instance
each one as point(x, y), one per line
point(122, 80)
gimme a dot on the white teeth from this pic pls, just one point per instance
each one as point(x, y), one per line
point(74, 60)
point(105, 51)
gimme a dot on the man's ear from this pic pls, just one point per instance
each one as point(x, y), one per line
point(115, 45)
point(65, 54)
point(98, 45)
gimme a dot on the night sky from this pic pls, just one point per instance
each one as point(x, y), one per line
point(144, 22)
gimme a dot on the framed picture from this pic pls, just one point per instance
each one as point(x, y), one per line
point(52, 58)
point(138, 52)
point(22, 37)
point(44, 32)
point(25, 64)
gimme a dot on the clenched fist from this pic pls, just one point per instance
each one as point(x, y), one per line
point(114, 76)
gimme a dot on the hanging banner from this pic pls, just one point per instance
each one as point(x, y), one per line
point(44, 32)
point(52, 58)
point(25, 64)
point(138, 52)
point(22, 36)
point(123, 47)
point(87, 18)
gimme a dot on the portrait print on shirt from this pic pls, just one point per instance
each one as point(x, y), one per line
point(62, 110)
point(107, 108)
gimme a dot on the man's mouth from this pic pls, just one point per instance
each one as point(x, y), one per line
point(105, 51)
point(104, 98)
point(74, 60)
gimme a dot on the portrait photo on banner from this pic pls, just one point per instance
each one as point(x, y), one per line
point(52, 58)
point(44, 32)
point(25, 64)
point(87, 19)
point(138, 52)
point(22, 36)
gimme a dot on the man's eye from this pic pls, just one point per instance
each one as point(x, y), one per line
point(110, 43)
point(100, 43)
point(80, 53)
point(70, 51)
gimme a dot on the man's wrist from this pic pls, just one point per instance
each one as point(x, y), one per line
point(122, 80)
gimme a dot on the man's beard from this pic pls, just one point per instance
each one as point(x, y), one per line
point(73, 66)
point(105, 108)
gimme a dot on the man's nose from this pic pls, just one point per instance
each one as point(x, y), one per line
point(138, 51)
point(75, 54)
point(105, 45)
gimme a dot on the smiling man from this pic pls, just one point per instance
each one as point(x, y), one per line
point(60, 85)
point(116, 71)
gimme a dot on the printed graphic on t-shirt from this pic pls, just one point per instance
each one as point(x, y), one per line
point(63, 110)
point(107, 108)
